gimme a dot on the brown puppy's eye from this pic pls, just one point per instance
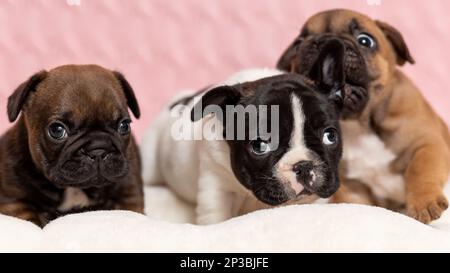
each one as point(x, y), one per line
point(366, 40)
point(57, 131)
point(124, 127)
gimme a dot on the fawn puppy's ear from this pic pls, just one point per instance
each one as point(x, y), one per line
point(398, 43)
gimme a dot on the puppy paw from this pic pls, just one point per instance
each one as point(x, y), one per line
point(355, 100)
point(426, 210)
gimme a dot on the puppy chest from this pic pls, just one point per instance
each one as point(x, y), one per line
point(368, 161)
point(74, 198)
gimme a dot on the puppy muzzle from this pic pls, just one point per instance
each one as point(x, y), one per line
point(314, 179)
point(93, 162)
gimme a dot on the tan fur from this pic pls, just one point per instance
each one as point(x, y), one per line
point(400, 116)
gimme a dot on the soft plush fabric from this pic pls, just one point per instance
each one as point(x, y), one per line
point(318, 227)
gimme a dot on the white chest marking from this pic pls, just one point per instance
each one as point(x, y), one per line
point(368, 160)
point(73, 198)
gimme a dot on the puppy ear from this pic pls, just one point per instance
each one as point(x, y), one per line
point(129, 94)
point(328, 70)
point(287, 61)
point(20, 95)
point(397, 42)
point(220, 96)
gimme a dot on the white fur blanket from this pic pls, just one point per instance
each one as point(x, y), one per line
point(316, 227)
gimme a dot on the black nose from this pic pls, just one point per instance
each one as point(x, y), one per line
point(303, 167)
point(98, 148)
point(97, 153)
point(325, 38)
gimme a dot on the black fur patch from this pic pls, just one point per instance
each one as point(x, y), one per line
point(256, 172)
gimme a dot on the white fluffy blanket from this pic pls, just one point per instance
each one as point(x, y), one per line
point(315, 227)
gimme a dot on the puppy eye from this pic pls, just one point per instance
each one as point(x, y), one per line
point(57, 131)
point(366, 40)
point(330, 136)
point(124, 127)
point(259, 147)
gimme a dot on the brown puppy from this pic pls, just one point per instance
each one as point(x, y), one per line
point(396, 148)
point(71, 149)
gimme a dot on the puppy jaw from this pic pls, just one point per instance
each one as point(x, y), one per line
point(284, 171)
point(83, 171)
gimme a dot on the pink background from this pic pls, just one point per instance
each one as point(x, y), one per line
point(163, 46)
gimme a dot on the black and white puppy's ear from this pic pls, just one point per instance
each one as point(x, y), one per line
point(328, 71)
point(219, 96)
point(17, 100)
point(129, 94)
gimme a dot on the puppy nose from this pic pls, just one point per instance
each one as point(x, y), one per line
point(303, 168)
point(98, 147)
point(325, 38)
point(97, 153)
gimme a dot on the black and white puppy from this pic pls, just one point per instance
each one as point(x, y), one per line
point(226, 175)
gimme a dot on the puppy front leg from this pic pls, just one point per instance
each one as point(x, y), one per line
point(351, 191)
point(133, 203)
point(22, 211)
point(425, 177)
point(214, 205)
point(132, 198)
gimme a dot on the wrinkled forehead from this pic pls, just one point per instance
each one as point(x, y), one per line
point(273, 88)
point(287, 95)
point(318, 109)
point(78, 99)
point(338, 21)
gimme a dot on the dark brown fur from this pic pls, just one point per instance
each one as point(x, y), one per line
point(87, 94)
